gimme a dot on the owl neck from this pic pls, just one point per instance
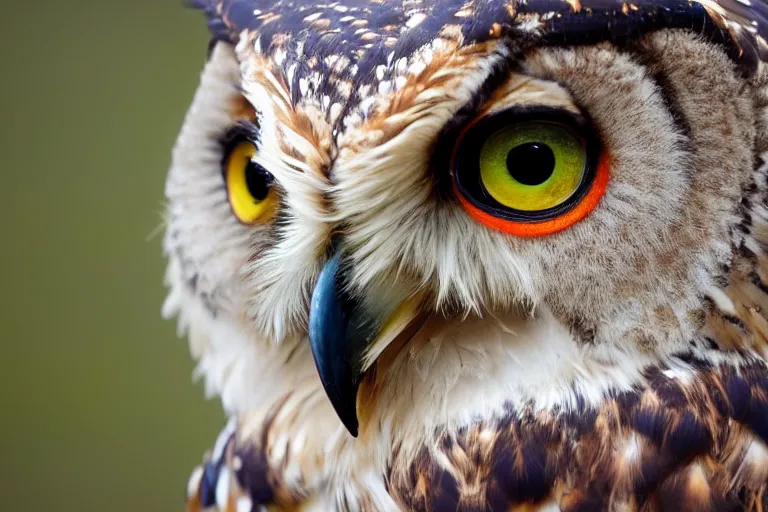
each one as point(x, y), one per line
point(453, 372)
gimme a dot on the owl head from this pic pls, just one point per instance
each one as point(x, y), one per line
point(369, 180)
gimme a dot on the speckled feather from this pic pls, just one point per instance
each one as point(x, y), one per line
point(696, 445)
point(682, 443)
point(368, 30)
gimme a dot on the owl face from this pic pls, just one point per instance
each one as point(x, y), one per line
point(363, 200)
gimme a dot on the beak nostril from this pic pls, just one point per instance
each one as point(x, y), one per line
point(335, 245)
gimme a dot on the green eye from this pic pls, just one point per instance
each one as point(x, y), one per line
point(529, 171)
point(532, 166)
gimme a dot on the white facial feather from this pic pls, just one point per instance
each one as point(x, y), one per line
point(209, 251)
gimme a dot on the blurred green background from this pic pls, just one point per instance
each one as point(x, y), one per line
point(98, 410)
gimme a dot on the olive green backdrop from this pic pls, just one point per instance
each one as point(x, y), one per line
point(98, 410)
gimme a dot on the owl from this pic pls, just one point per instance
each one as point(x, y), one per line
point(478, 255)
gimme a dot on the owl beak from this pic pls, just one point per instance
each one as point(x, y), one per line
point(346, 337)
point(336, 341)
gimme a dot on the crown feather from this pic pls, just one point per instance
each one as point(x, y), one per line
point(742, 25)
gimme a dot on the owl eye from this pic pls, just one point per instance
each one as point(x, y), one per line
point(249, 186)
point(529, 173)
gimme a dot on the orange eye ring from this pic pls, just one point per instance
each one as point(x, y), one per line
point(547, 227)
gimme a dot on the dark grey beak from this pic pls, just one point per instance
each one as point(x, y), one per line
point(347, 337)
point(339, 332)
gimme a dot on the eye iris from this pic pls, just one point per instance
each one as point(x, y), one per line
point(249, 186)
point(531, 163)
point(531, 166)
point(258, 181)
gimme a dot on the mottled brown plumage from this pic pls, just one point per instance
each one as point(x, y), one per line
point(698, 445)
point(692, 446)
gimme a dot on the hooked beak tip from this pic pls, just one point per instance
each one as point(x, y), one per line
point(347, 338)
point(336, 359)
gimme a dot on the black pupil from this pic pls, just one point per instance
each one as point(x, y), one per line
point(531, 163)
point(258, 181)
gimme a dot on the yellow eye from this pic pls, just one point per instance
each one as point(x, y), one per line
point(532, 166)
point(249, 186)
